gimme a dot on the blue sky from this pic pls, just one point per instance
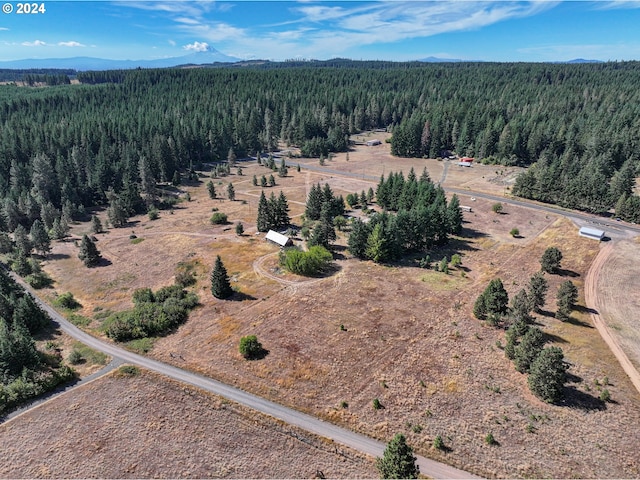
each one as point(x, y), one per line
point(502, 30)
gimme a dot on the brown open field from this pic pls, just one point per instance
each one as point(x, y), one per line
point(409, 339)
point(150, 427)
point(618, 285)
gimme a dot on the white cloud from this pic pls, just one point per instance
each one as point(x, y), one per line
point(197, 47)
point(36, 43)
point(4, 29)
point(172, 43)
point(71, 44)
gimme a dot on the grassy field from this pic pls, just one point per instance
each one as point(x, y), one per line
point(398, 333)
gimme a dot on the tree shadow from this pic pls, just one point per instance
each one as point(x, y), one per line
point(546, 313)
point(468, 232)
point(574, 398)
point(567, 273)
point(240, 297)
point(579, 323)
point(550, 337)
point(104, 262)
point(57, 256)
point(258, 355)
point(583, 309)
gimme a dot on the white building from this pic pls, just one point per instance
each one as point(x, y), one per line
point(592, 233)
point(278, 238)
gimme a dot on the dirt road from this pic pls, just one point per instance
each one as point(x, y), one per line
point(591, 299)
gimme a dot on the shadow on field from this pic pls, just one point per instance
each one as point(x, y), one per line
point(240, 297)
point(567, 273)
point(574, 398)
point(57, 256)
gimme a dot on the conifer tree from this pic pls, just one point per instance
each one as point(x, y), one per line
point(220, 285)
point(40, 238)
point(231, 192)
point(211, 189)
point(537, 291)
point(96, 224)
point(262, 223)
point(89, 253)
point(398, 460)
point(548, 374)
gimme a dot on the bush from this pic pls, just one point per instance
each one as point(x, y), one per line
point(376, 404)
point(438, 443)
point(514, 232)
point(219, 218)
point(129, 371)
point(250, 348)
point(605, 395)
point(153, 214)
point(66, 300)
point(75, 357)
point(313, 262)
point(489, 439)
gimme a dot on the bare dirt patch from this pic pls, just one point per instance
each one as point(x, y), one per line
point(149, 427)
point(408, 336)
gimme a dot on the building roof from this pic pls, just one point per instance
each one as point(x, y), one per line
point(278, 238)
point(591, 232)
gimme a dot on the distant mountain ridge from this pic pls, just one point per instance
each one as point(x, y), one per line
point(90, 63)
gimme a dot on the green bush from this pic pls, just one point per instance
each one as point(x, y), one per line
point(219, 218)
point(129, 371)
point(312, 262)
point(250, 348)
point(376, 404)
point(75, 357)
point(438, 443)
point(66, 300)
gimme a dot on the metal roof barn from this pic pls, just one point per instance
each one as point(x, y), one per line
point(593, 233)
point(278, 238)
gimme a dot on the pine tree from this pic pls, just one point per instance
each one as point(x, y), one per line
point(548, 374)
point(231, 158)
point(272, 181)
point(550, 260)
point(60, 229)
point(282, 219)
point(537, 291)
point(40, 237)
point(96, 224)
point(231, 192)
point(22, 241)
point(262, 223)
point(211, 189)
point(239, 229)
point(566, 299)
point(528, 349)
point(314, 203)
point(398, 460)
point(220, 285)
point(89, 253)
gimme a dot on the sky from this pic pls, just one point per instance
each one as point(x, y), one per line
point(487, 30)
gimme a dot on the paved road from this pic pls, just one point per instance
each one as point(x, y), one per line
point(609, 226)
point(307, 422)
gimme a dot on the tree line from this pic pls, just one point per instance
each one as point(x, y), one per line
point(25, 372)
point(69, 147)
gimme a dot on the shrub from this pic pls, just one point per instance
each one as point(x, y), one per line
point(310, 263)
point(153, 214)
point(376, 404)
point(438, 443)
point(66, 300)
point(344, 404)
point(514, 232)
point(489, 439)
point(250, 348)
point(605, 396)
point(219, 218)
point(128, 371)
point(75, 357)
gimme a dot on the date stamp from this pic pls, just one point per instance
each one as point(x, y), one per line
point(33, 8)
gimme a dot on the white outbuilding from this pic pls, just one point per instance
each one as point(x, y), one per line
point(278, 238)
point(592, 233)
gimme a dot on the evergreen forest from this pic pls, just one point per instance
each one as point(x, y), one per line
point(107, 140)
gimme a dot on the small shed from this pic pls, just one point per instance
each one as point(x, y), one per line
point(374, 142)
point(592, 233)
point(465, 161)
point(279, 238)
point(465, 208)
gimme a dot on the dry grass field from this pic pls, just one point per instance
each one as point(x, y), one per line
point(149, 427)
point(619, 279)
point(408, 337)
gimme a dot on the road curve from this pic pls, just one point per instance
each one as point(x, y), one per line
point(312, 424)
